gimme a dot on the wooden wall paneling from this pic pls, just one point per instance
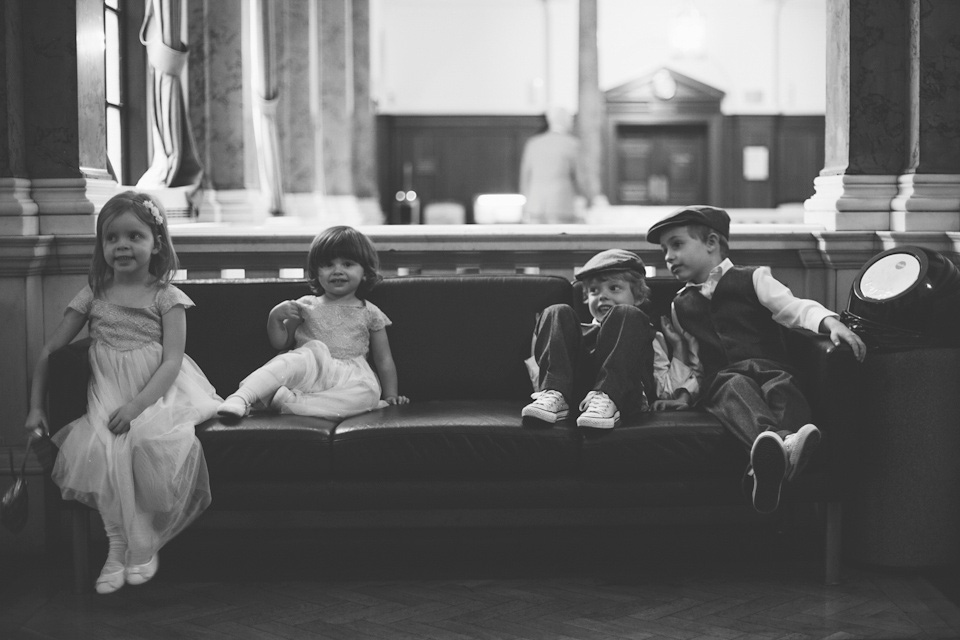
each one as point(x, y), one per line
point(741, 132)
point(800, 156)
point(454, 158)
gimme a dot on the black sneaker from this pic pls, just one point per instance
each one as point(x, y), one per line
point(768, 463)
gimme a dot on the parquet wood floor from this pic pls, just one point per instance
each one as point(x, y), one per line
point(721, 583)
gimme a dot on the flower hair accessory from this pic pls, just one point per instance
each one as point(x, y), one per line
point(154, 211)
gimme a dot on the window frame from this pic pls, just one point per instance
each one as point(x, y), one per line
point(132, 89)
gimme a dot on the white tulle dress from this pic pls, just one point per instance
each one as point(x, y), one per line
point(151, 481)
point(327, 374)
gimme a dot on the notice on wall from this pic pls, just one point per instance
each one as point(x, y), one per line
point(756, 163)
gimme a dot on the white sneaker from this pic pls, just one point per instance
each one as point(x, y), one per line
point(548, 406)
point(800, 446)
point(768, 465)
point(233, 407)
point(599, 411)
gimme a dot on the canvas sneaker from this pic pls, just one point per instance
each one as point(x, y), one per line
point(800, 447)
point(599, 411)
point(768, 465)
point(548, 406)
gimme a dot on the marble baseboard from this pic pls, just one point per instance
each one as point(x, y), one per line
point(926, 202)
point(851, 202)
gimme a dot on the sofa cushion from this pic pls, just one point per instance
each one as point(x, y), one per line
point(267, 446)
point(664, 445)
point(452, 438)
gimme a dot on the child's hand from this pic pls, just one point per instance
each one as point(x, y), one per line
point(37, 422)
point(671, 405)
point(397, 400)
point(287, 310)
point(840, 332)
point(670, 332)
point(121, 418)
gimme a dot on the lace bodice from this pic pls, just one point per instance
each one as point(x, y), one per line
point(127, 328)
point(345, 329)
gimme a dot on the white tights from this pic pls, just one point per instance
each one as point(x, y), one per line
point(264, 382)
point(117, 550)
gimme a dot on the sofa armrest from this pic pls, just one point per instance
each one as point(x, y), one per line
point(67, 379)
point(827, 371)
point(829, 377)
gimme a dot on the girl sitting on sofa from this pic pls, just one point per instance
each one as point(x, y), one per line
point(133, 456)
point(325, 373)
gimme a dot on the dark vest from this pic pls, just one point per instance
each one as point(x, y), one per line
point(732, 325)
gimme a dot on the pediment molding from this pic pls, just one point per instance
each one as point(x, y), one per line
point(667, 88)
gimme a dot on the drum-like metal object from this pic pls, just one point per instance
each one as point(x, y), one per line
point(906, 297)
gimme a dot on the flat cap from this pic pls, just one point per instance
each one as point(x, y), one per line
point(713, 217)
point(611, 260)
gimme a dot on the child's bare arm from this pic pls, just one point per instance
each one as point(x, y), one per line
point(282, 324)
point(386, 367)
point(70, 326)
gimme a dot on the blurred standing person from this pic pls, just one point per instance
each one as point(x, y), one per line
point(550, 173)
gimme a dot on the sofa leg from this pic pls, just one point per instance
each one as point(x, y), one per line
point(832, 544)
point(81, 549)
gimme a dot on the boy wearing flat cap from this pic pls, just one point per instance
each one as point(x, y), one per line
point(732, 314)
point(617, 363)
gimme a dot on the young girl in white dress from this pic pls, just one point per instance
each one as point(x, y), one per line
point(326, 373)
point(134, 455)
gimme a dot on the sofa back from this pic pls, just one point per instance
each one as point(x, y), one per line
point(453, 337)
point(465, 337)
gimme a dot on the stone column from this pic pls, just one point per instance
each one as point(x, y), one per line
point(928, 197)
point(364, 117)
point(336, 97)
point(866, 115)
point(299, 97)
point(65, 125)
point(220, 114)
point(18, 211)
point(590, 110)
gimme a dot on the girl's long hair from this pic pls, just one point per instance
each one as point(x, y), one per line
point(163, 264)
point(345, 243)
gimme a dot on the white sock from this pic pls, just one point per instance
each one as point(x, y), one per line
point(259, 385)
point(142, 542)
point(117, 551)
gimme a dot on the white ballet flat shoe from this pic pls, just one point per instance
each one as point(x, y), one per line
point(140, 573)
point(110, 581)
point(233, 408)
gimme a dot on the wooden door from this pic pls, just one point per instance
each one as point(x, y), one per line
point(661, 165)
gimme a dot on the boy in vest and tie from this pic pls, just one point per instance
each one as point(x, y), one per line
point(733, 315)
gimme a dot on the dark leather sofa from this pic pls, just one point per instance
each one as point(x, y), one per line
point(459, 453)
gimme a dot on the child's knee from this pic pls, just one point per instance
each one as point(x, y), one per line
point(559, 314)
